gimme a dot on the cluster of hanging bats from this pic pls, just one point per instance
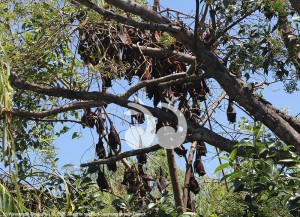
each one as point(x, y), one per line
point(135, 179)
point(112, 45)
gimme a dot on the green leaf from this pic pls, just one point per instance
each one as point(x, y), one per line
point(238, 185)
point(224, 158)
point(259, 130)
point(222, 166)
point(151, 205)
point(245, 143)
point(263, 151)
point(286, 161)
point(233, 155)
point(188, 214)
point(247, 76)
point(278, 5)
point(234, 175)
point(75, 135)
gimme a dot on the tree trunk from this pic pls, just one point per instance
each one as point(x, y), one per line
point(174, 180)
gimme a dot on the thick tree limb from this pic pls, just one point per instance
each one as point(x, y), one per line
point(294, 122)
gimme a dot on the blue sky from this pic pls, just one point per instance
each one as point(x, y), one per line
point(81, 150)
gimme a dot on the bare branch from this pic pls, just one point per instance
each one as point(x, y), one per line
point(55, 111)
point(216, 104)
point(123, 155)
point(192, 151)
point(165, 53)
point(177, 12)
point(147, 83)
point(190, 79)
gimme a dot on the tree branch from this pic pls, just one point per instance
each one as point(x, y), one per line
point(147, 83)
point(141, 25)
point(195, 132)
point(190, 79)
point(216, 104)
point(165, 81)
point(165, 53)
point(123, 155)
point(145, 12)
point(55, 111)
point(174, 180)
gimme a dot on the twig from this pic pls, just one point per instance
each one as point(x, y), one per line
point(177, 12)
point(204, 15)
point(216, 104)
point(223, 31)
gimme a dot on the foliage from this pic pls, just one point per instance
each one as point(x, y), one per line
point(215, 200)
point(264, 180)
